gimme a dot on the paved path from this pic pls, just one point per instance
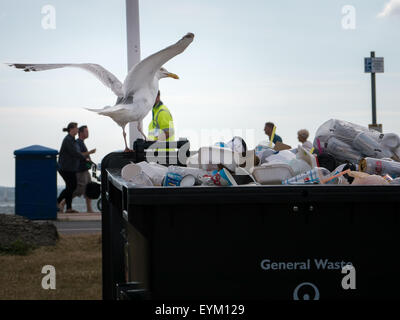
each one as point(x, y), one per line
point(78, 227)
point(78, 223)
point(81, 216)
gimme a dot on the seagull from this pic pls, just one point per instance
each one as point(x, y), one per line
point(136, 96)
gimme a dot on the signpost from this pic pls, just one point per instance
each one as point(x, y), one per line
point(374, 65)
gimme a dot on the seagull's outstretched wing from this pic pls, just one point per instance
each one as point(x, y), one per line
point(144, 71)
point(105, 76)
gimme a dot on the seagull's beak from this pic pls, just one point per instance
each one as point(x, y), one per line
point(172, 75)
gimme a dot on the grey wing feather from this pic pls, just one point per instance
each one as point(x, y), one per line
point(146, 69)
point(105, 76)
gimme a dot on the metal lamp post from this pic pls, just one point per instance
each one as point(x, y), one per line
point(133, 52)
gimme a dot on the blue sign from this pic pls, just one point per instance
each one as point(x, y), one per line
point(373, 65)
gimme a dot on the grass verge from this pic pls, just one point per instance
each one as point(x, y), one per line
point(77, 261)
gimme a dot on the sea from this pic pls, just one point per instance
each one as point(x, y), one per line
point(7, 201)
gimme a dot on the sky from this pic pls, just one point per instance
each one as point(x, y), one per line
point(295, 63)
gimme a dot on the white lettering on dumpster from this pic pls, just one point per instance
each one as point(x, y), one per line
point(49, 280)
point(319, 264)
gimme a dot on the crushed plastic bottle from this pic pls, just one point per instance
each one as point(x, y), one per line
point(313, 176)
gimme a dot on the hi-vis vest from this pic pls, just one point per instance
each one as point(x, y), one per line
point(161, 120)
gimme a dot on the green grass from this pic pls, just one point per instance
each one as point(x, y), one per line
point(18, 247)
point(77, 261)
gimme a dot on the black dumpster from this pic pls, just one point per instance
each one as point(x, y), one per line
point(248, 242)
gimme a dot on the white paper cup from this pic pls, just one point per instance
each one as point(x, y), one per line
point(155, 172)
point(188, 181)
point(129, 171)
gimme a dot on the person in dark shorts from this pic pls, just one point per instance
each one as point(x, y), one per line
point(83, 175)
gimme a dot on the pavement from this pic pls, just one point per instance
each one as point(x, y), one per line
point(78, 223)
point(81, 216)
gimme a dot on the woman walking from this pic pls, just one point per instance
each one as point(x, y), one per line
point(68, 164)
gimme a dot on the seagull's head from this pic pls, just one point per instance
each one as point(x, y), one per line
point(164, 73)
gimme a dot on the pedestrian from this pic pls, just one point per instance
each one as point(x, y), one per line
point(269, 129)
point(302, 136)
point(68, 164)
point(82, 175)
point(161, 127)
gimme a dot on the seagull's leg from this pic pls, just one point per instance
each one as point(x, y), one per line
point(126, 145)
point(139, 126)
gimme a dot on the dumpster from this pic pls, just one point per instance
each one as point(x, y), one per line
point(247, 242)
point(36, 182)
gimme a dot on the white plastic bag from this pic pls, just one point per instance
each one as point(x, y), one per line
point(284, 156)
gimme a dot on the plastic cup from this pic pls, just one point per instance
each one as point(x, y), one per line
point(155, 172)
point(366, 144)
point(130, 171)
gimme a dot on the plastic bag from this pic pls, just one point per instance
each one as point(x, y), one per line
point(362, 178)
point(284, 156)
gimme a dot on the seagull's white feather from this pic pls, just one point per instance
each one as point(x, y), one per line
point(125, 113)
point(105, 76)
point(142, 73)
point(137, 94)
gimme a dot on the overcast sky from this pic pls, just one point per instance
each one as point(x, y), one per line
point(296, 63)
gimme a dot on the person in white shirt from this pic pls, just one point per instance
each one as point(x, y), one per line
point(302, 135)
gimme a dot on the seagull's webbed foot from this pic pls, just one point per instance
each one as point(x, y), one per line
point(126, 145)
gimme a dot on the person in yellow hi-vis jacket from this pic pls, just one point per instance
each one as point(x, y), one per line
point(161, 127)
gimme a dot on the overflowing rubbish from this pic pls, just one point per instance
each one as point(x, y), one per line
point(350, 142)
point(343, 153)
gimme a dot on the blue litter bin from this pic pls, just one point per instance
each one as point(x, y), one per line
point(36, 182)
